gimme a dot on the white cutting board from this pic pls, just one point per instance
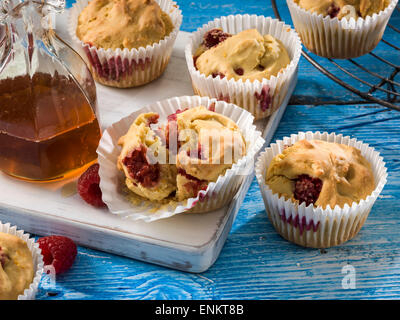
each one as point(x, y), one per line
point(188, 242)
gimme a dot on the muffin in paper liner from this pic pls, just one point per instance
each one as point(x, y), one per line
point(38, 264)
point(339, 39)
point(313, 226)
point(261, 99)
point(217, 194)
point(127, 68)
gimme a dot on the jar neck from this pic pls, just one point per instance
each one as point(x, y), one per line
point(10, 10)
point(26, 26)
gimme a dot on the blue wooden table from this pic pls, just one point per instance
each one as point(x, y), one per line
point(256, 263)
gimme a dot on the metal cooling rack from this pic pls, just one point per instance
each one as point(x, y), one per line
point(384, 91)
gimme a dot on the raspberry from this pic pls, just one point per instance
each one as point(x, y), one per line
point(216, 74)
point(333, 11)
point(153, 119)
point(58, 251)
point(212, 107)
point(239, 71)
point(3, 258)
point(89, 186)
point(307, 189)
point(140, 169)
point(195, 185)
point(264, 98)
point(214, 37)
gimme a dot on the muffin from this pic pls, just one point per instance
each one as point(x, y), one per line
point(247, 55)
point(341, 29)
point(321, 173)
point(318, 189)
point(344, 8)
point(16, 266)
point(247, 60)
point(207, 148)
point(178, 160)
point(127, 42)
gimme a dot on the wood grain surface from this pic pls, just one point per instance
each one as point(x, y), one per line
point(256, 263)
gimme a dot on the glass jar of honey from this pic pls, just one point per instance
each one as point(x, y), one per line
point(49, 125)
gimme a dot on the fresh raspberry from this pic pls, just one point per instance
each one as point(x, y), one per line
point(58, 251)
point(307, 189)
point(214, 37)
point(89, 186)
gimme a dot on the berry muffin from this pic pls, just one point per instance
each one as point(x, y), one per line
point(127, 42)
point(317, 188)
point(341, 29)
point(251, 67)
point(16, 266)
point(176, 161)
point(321, 173)
point(207, 148)
point(344, 8)
point(247, 55)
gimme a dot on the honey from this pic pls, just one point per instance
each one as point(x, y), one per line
point(48, 129)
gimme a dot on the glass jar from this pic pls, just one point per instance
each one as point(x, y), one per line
point(49, 126)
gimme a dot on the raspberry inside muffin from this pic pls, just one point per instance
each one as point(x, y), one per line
point(321, 173)
point(144, 160)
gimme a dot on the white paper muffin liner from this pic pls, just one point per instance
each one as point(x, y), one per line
point(259, 98)
point(339, 39)
point(313, 226)
point(217, 193)
point(38, 264)
point(127, 68)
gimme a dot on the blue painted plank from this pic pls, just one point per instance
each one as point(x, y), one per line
point(256, 263)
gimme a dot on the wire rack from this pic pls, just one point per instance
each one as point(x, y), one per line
point(373, 87)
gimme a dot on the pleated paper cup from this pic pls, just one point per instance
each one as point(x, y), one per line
point(127, 68)
point(313, 226)
point(216, 195)
point(260, 98)
point(38, 264)
point(339, 39)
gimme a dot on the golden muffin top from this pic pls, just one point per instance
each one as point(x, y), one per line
point(322, 173)
point(247, 55)
point(16, 266)
point(344, 8)
point(210, 143)
point(123, 24)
